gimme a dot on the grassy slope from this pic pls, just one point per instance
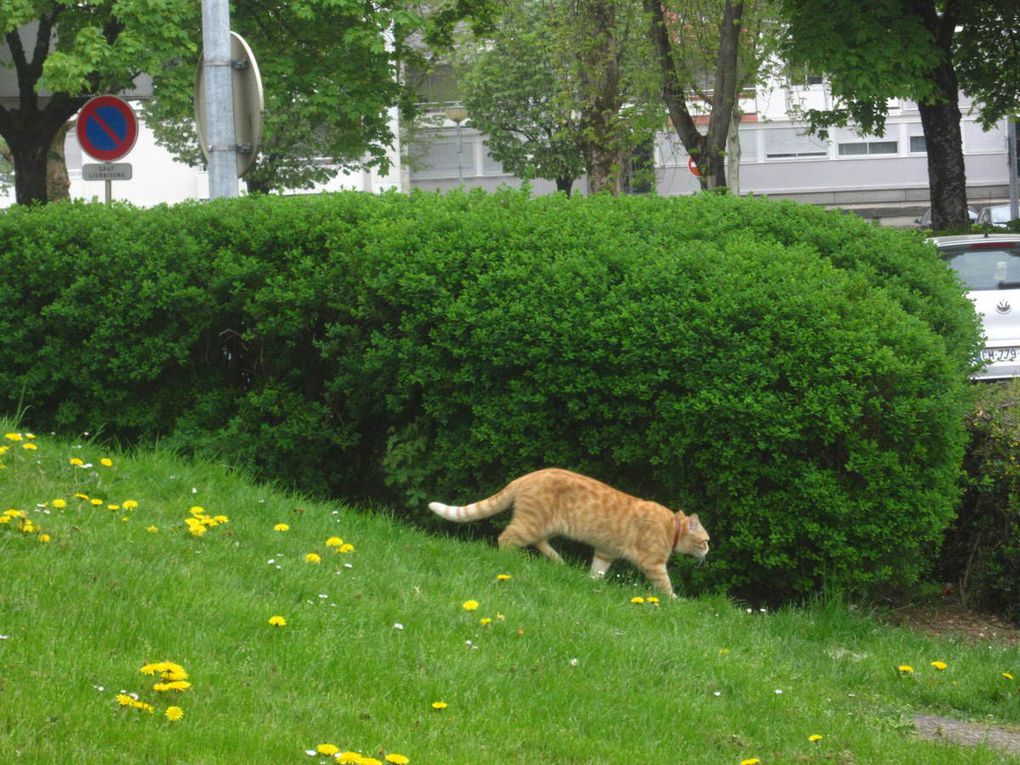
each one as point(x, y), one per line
point(574, 673)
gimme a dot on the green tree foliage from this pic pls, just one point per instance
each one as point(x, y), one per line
point(927, 52)
point(797, 377)
point(592, 89)
point(513, 93)
point(75, 51)
point(330, 75)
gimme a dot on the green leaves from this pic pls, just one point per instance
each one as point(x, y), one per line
point(796, 376)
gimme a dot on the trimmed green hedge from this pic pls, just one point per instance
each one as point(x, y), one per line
point(981, 555)
point(796, 376)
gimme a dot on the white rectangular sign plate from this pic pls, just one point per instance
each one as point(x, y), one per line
point(106, 171)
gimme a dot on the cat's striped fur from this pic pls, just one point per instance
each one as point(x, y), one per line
point(555, 502)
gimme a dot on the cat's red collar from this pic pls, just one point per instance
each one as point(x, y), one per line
point(676, 534)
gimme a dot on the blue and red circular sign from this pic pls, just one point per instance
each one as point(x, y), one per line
point(107, 128)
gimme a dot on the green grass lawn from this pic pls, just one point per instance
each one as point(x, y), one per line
point(567, 671)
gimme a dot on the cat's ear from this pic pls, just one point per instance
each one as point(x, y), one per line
point(693, 523)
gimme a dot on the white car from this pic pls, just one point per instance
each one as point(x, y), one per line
point(997, 215)
point(990, 268)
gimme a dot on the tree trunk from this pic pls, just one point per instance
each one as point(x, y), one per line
point(940, 118)
point(947, 175)
point(601, 100)
point(58, 184)
point(565, 185)
point(709, 150)
point(29, 159)
point(724, 97)
point(733, 152)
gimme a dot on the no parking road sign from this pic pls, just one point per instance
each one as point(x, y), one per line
point(107, 128)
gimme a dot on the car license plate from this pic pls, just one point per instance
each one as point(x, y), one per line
point(995, 355)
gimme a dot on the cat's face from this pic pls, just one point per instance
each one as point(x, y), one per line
point(695, 541)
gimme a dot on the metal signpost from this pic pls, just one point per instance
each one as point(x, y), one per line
point(107, 130)
point(1014, 167)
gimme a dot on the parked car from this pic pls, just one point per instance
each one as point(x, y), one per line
point(989, 265)
point(925, 220)
point(996, 215)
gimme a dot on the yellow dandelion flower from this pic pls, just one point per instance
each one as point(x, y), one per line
point(124, 700)
point(77, 461)
point(470, 605)
point(653, 600)
point(106, 462)
point(349, 758)
point(277, 621)
point(221, 519)
point(113, 507)
point(370, 761)
point(752, 761)
point(13, 436)
point(439, 705)
point(44, 537)
point(197, 510)
point(5, 519)
point(152, 529)
point(503, 577)
point(1007, 675)
point(397, 759)
point(129, 504)
point(79, 495)
point(637, 599)
point(197, 531)
point(939, 665)
point(345, 548)
point(59, 504)
point(906, 669)
point(30, 447)
point(281, 527)
point(313, 558)
point(327, 749)
point(96, 502)
point(173, 714)
point(153, 669)
point(815, 737)
point(485, 621)
point(334, 542)
point(176, 685)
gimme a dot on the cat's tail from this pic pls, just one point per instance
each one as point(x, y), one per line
point(497, 503)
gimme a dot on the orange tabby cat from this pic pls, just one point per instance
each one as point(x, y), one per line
point(554, 502)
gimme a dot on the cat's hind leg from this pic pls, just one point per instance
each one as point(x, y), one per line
point(547, 550)
point(600, 564)
point(514, 536)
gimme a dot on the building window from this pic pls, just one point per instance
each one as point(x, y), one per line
point(801, 76)
point(867, 148)
point(918, 145)
point(791, 143)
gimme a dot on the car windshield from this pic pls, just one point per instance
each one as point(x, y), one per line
point(1000, 214)
point(986, 265)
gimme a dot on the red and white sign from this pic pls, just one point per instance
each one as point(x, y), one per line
point(107, 128)
point(693, 167)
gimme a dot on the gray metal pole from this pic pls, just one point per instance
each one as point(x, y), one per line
point(219, 98)
point(1014, 212)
